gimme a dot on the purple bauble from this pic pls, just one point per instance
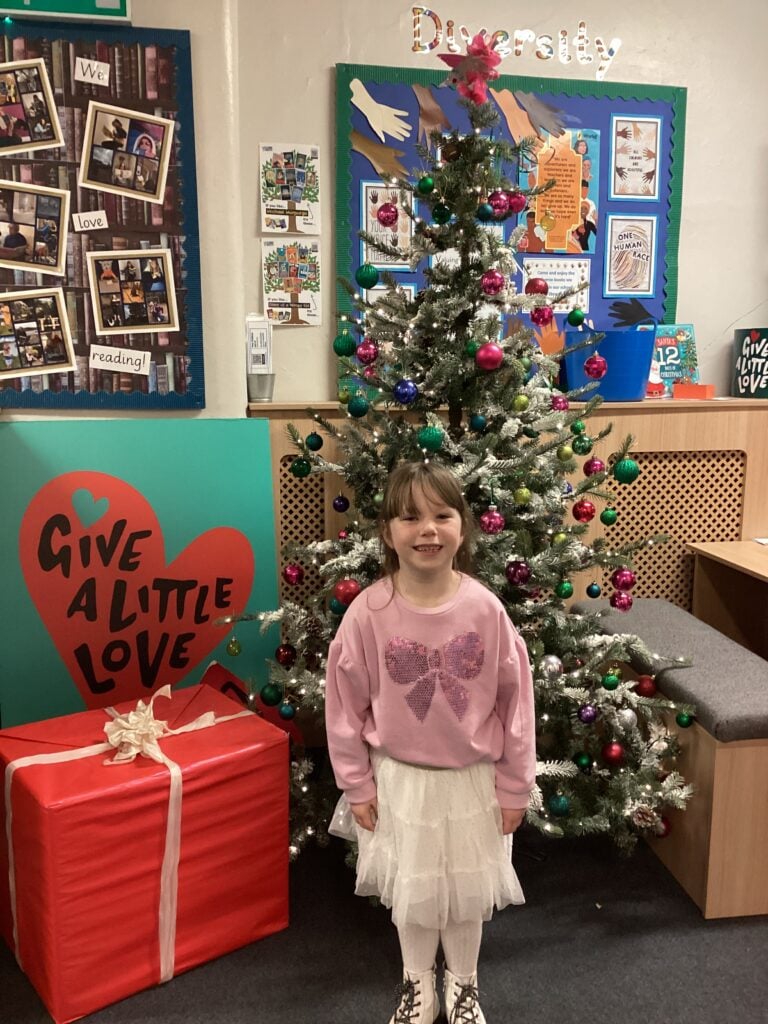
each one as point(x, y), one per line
point(518, 572)
point(387, 215)
point(499, 203)
point(492, 521)
point(492, 282)
point(405, 392)
point(542, 315)
point(367, 351)
point(583, 510)
point(517, 202)
point(293, 574)
point(621, 601)
point(623, 578)
point(489, 356)
point(560, 403)
point(593, 465)
point(595, 367)
point(587, 713)
point(341, 503)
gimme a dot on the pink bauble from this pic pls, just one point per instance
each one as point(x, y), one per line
point(518, 572)
point(583, 510)
point(293, 574)
point(369, 372)
point(367, 351)
point(623, 578)
point(387, 215)
point(593, 465)
point(536, 286)
point(346, 591)
point(499, 203)
point(621, 601)
point(343, 534)
point(517, 202)
point(492, 282)
point(560, 403)
point(613, 754)
point(595, 367)
point(489, 356)
point(492, 521)
point(542, 315)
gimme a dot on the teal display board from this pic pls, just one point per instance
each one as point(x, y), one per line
point(123, 545)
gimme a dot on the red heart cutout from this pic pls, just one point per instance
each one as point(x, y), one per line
point(754, 335)
point(123, 621)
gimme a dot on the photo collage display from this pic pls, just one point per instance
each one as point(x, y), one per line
point(28, 117)
point(33, 227)
point(34, 333)
point(133, 291)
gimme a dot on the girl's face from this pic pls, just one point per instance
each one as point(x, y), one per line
point(425, 536)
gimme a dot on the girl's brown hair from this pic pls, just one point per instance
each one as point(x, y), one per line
point(438, 484)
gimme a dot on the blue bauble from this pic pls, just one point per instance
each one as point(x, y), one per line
point(594, 590)
point(477, 422)
point(341, 503)
point(405, 392)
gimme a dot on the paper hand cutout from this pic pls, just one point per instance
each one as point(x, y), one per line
point(383, 119)
point(627, 313)
point(383, 158)
point(518, 122)
point(431, 115)
point(544, 117)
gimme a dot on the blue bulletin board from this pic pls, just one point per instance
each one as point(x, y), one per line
point(617, 147)
point(122, 544)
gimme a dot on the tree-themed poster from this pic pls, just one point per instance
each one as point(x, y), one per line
point(292, 281)
point(290, 188)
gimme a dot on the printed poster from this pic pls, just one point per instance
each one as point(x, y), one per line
point(635, 145)
point(290, 188)
point(562, 275)
point(291, 281)
point(383, 218)
point(630, 264)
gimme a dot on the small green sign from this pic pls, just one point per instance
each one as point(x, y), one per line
point(80, 10)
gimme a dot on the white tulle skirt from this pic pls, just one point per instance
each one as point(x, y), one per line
point(438, 851)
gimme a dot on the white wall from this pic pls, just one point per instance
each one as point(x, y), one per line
point(264, 72)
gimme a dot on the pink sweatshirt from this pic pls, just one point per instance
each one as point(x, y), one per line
point(446, 687)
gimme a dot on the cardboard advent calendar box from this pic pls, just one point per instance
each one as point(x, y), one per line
point(114, 877)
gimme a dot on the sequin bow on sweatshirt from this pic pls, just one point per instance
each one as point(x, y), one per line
point(409, 662)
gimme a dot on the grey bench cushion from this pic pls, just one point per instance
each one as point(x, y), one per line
point(727, 683)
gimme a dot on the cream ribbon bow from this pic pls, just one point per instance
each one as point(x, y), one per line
point(136, 733)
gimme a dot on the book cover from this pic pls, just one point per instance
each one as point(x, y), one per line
point(750, 363)
point(674, 359)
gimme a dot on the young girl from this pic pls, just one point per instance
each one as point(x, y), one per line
point(429, 712)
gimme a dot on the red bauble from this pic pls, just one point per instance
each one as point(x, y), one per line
point(293, 574)
point(499, 203)
point(387, 215)
point(645, 686)
point(664, 828)
point(492, 282)
point(583, 510)
point(492, 521)
point(517, 202)
point(595, 367)
point(623, 578)
point(285, 655)
point(592, 466)
point(621, 600)
point(367, 351)
point(536, 286)
point(346, 591)
point(542, 315)
point(517, 572)
point(560, 403)
point(489, 356)
point(613, 754)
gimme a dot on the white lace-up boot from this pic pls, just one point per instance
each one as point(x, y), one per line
point(461, 999)
point(418, 999)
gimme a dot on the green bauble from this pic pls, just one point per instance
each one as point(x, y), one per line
point(378, 499)
point(441, 213)
point(313, 441)
point(344, 344)
point(430, 438)
point(559, 538)
point(565, 453)
point(564, 589)
point(559, 805)
point(521, 495)
point(576, 317)
point(336, 606)
point(610, 681)
point(626, 471)
point(471, 348)
point(358, 406)
point(301, 467)
point(521, 403)
point(425, 185)
point(583, 761)
point(271, 695)
point(683, 719)
point(367, 276)
point(526, 363)
point(233, 647)
point(582, 444)
point(530, 432)
point(344, 395)
point(608, 516)
point(578, 427)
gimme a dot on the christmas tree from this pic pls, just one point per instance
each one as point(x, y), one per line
point(431, 377)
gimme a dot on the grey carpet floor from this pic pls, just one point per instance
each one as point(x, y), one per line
point(602, 939)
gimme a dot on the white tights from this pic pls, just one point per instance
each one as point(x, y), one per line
point(461, 947)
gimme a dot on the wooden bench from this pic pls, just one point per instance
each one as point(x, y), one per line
point(717, 848)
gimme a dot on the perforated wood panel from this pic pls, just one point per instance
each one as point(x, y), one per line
point(302, 520)
point(689, 496)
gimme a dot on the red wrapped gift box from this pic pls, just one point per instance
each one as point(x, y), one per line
point(90, 854)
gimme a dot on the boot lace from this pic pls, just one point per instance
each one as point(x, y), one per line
point(408, 1009)
point(465, 1009)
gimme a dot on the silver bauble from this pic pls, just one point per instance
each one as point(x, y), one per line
point(550, 666)
point(627, 718)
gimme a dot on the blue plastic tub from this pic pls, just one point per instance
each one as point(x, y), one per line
point(628, 354)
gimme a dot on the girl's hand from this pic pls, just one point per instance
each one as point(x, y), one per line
point(511, 819)
point(366, 815)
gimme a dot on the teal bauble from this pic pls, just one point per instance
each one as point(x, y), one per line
point(430, 438)
point(484, 212)
point(336, 606)
point(582, 444)
point(559, 805)
point(301, 467)
point(425, 185)
point(441, 213)
point(594, 590)
point(344, 344)
point(626, 471)
point(367, 276)
point(313, 441)
point(271, 695)
point(477, 422)
point(358, 406)
point(287, 711)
